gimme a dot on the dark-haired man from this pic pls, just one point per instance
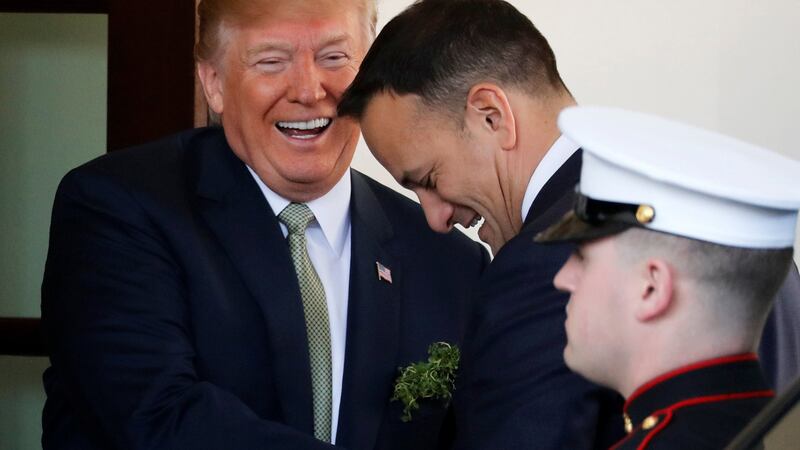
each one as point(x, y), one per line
point(459, 100)
point(677, 263)
point(240, 287)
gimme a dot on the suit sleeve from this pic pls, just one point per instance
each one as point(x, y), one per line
point(115, 313)
point(515, 390)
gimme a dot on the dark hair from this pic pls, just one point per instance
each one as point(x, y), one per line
point(439, 49)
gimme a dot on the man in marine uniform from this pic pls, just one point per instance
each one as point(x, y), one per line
point(678, 259)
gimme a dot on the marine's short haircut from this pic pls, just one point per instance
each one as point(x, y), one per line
point(740, 281)
point(439, 49)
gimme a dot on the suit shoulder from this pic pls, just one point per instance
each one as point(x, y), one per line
point(522, 254)
point(159, 155)
point(149, 165)
point(153, 175)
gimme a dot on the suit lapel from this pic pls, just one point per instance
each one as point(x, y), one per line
point(373, 321)
point(240, 217)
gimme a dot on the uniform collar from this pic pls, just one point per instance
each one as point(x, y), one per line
point(331, 211)
point(706, 381)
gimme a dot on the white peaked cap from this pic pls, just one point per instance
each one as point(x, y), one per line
point(700, 184)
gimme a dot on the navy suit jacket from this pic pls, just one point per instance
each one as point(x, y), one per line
point(174, 317)
point(515, 390)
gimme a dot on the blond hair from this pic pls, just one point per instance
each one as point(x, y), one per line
point(213, 14)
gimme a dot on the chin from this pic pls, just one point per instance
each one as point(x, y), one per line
point(311, 170)
point(589, 369)
point(569, 360)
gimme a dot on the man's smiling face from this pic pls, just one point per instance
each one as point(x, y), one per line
point(278, 79)
point(451, 171)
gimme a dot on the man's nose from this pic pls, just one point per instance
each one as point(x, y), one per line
point(564, 279)
point(438, 212)
point(305, 83)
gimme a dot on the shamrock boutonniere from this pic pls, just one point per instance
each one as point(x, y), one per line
point(434, 378)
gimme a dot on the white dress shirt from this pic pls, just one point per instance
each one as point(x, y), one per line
point(328, 241)
point(556, 156)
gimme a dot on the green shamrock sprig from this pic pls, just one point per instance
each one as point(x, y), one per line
point(432, 379)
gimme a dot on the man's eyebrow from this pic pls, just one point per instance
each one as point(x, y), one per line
point(405, 180)
point(270, 45)
point(326, 41)
point(332, 38)
point(411, 178)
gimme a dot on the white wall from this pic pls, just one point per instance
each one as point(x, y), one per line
point(727, 65)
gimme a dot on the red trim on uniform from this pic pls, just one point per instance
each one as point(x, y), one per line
point(621, 441)
point(661, 424)
point(688, 368)
point(668, 412)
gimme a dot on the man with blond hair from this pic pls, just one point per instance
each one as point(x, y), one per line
point(239, 286)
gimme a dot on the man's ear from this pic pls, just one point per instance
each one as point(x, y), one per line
point(211, 79)
point(489, 109)
point(656, 290)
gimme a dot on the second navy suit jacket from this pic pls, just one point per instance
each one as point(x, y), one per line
point(515, 390)
point(174, 316)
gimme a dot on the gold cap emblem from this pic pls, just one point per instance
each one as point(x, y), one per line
point(645, 214)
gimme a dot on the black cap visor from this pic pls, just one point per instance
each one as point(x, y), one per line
point(594, 219)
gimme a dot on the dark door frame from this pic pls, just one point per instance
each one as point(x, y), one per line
point(152, 88)
point(152, 92)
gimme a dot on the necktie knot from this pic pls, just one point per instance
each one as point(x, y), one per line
point(296, 217)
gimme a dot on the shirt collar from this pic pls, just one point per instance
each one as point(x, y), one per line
point(555, 157)
point(331, 211)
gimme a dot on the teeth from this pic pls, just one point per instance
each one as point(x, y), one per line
point(308, 125)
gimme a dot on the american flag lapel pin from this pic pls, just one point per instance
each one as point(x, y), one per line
point(383, 272)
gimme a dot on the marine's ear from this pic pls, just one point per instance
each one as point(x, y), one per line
point(489, 111)
point(657, 289)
